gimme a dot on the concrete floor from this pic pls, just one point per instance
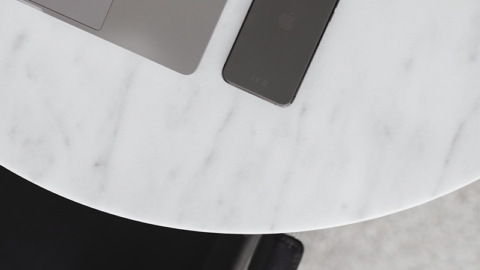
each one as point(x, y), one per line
point(440, 235)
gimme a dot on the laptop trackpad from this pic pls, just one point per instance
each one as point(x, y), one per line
point(92, 13)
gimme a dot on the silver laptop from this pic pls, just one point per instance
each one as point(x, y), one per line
point(173, 33)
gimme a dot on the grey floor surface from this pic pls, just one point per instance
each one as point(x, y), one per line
point(443, 234)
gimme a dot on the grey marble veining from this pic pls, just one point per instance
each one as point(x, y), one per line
point(388, 117)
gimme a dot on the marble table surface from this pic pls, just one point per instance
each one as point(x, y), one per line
point(388, 118)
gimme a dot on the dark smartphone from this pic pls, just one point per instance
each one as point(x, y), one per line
point(275, 46)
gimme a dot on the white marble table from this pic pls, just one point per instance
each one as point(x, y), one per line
point(388, 118)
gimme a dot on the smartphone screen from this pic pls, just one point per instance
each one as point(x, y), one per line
point(275, 46)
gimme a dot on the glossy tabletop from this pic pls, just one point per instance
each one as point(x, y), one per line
point(388, 117)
